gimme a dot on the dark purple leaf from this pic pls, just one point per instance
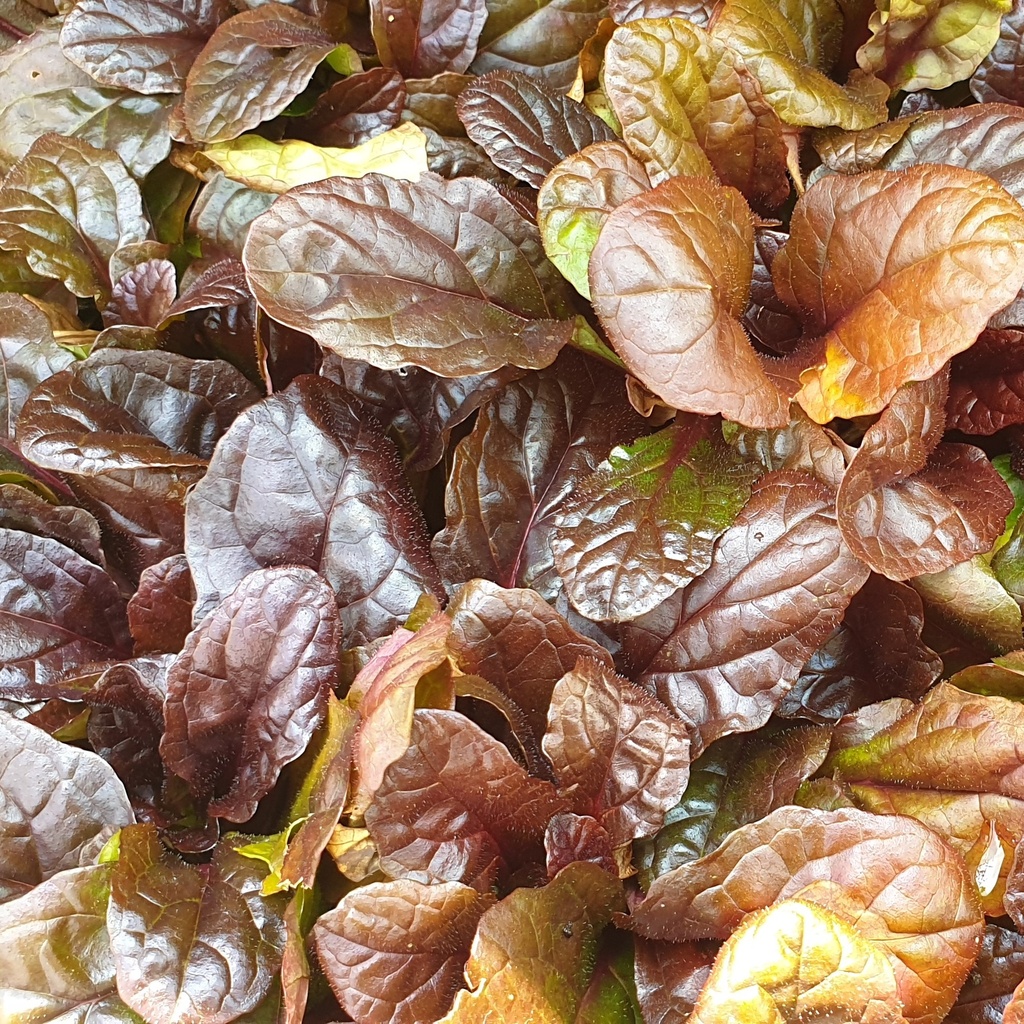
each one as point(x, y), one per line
point(697, 12)
point(986, 385)
point(146, 47)
point(354, 110)
point(61, 804)
point(250, 69)
point(997, 972)
point(723, 652)
point(22, 509)
point(250, 687)
point(427, 38)
point(525, 125)
point(768, 319)
point(160, 610)
point(395, 950)
point(305, 478)
point(998, 77)
point(215, 281)
point(143, 296)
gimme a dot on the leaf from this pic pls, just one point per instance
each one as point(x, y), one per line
point(682, 254)
point(644, 524)
point(455, 807)
point(736, 781)
point(250, 69)
point(997, 79)
point(542, 40)
point(302, 478)
point(395, 950)
point(930, 45)
point(895, 881)
point(532, 955)
point(909, 505)
point(279, 166)
point(42, 91)
point(250, 687)
point(58, 610)
point(431, 102)
point(223, 211)
point(68, 206)
point(502, 498)
point(166, 920)
point(525, 125)
point(795, 959)
point(55, 956)
point(22, 509)
point(146, 48)
point(907, 286)
point(28, 355)
point(444, 310)
point(354, 110)
point(216, 281)
point(425, 39)
point(986, 386)
point(1014, 1010)
point(723, 652)
point(669, 978)
point(1000, 967)
point(518, 642)
point(144, 296)
point(576, 837)
point(1002, 677)
point(61, 804)
point(575, 200)
point(160, 611)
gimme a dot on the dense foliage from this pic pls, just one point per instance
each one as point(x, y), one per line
point(510, 512)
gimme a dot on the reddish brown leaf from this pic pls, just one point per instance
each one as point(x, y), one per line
point(573, 837)
point(669, 978)
point(160, 611)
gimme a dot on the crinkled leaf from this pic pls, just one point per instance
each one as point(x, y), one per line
point(618, 754)
point(58, 610)
point(431, 102)
point(986, 386)
point(278, 166)
point(518, 642)
point(767, 319)
point(28, 355)
point(302, 478)
point(503, 495)
point(160, 610)
point(216, 281)
point(930, 44)
point(444, 309)
point(223, 211)
point(68, 206)
point(999, 969)
point(145, 47)
point(533, 953)
point(525, 125)
point(698, 12)
point(143, 296)
point(669, 978)
point(395, 950)
point(250, 69)
point(644, 524)
point(575, 200)
point(191, 945)
point(998, 79)
point(670, 278)
point(427, 38)
point(250, 686)
point(909, 505)
point(42, 91)
point(60, 805)
point(795, 961)
point(22, 509)
point(723, 652)
point(456, 807)
point(354, 110)
point(897, 882)
point(947, 252)
point(573, 837)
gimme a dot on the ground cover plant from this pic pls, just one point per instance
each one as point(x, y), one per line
point(510, 512)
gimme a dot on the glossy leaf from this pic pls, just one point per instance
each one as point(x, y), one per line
point(354, 110)
point(395, 950)
point(986, 386)
point(278, 166)
point(997, 78)
point(250, 686)
point(930, 45)
point(223, 211)
point(619, 755)
point(682, 254)
point(670, 977)
point(143, 296)
point(22, 509)
point(703, 652)
point(91, 207)
point(59, 611)
point(575, 837)
point(575, 200)
point(795, 959)
point(999, 969)
point(455, 807)
point(644, 524)
point(504, 494)
point(60, 805)
point(532, 954)
point(907, 891)
point(909, 505)
point(250, 69)
point(444, 309)
point(186, 945)
point(425, 39)
point(906, 286)
point(526, 126)
point(147, 48)
point(360, 528)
